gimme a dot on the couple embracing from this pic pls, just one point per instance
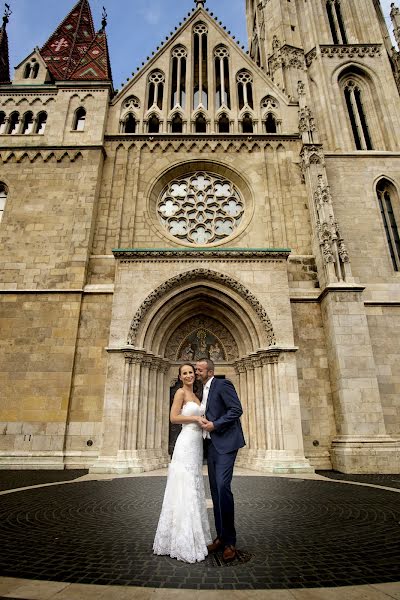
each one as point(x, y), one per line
point(183, 530)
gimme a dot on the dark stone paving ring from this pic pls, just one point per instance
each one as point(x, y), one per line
point(298, 533)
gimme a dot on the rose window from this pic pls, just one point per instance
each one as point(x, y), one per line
point(202, 208)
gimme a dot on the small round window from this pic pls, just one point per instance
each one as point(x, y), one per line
point(202, 208)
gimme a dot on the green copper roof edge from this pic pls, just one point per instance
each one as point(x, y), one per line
point(200, 249)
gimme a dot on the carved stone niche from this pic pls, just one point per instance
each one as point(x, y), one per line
point(202, 337)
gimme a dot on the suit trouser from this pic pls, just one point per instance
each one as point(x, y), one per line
point(220, 471)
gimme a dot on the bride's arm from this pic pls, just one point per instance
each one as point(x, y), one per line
point(175, 416)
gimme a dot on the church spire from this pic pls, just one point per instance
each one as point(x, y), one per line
point(4, 57)
point(70, 41)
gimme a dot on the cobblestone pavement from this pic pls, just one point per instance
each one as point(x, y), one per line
point(392, 480)
point(10, 480)
point(301, 533)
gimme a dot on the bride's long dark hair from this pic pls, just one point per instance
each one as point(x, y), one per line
point(197, 385)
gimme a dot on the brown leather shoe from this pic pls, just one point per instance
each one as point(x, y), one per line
point(229, 554)
point(216, 545)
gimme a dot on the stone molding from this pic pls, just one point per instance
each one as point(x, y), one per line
point(345, 51)
point(266, 356)
point(285, 57)
point(168, 254)
point(46, 155)
point(198, 275)
point(311, 154)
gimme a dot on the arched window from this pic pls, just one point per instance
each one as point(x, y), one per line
point(222, 85)
point(270, 124)
point(354, 101)
point(156, 89)
point(27, 123)
point(129, 124)
point(247, 124)
point(35, 71)
point(13, 123)
point(2, 122)
point(153, 124)
point(41, 122)
point(178, 87)
point(245, 89)
point(336, 22)
point(201, 124)
point(80, 119)
point(27, 71)
point(200, 79)
point(223, 124)
point(386, 195)
point(3, 199)
point(177, 124)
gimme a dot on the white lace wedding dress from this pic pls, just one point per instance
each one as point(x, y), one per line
point(183, 530)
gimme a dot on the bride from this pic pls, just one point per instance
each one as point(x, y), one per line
point(183, 530)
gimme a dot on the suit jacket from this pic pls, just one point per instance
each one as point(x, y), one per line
point(224, 410)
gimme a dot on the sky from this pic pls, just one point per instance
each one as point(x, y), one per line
point(135, 27)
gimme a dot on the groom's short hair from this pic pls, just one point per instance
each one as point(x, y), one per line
point(210, 364)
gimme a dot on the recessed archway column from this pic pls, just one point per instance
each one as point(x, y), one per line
point(133, 413)
point(274, 439)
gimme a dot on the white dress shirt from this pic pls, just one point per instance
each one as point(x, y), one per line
point(203, 405)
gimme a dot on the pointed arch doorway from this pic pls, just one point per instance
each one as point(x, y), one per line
point(196, 338)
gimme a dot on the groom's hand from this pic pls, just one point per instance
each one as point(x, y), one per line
point(207, 425)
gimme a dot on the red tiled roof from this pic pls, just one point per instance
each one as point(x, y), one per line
point(95, 64)
point(70, 42)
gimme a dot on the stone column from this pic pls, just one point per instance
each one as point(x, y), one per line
point(362, 445)
point(252, 436)
point(129, 414)
point(240, 369)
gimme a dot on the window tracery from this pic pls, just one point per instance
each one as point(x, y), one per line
point(223, 123)
point(202, 208)
point(244, 81)
point(176, 123)
point(247, 124)
point(336, 22)
point(200, 124)
point(385, 192)
point(200, 57)
point(354, 102)
point(153, 124)
point(178, 87)
point(156, 89)
point(222, 83)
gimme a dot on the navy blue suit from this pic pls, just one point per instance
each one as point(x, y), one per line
point(224, 410)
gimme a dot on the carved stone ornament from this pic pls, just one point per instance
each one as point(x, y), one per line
point(179, 347)
point(195, 275)
point(201, 208)
point(347, 51)
point(312, 154)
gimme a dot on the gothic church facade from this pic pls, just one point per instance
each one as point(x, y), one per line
point(242, 206)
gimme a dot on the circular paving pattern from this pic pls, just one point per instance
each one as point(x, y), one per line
point(299, 533)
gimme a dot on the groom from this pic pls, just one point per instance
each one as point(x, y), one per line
point(223, 438)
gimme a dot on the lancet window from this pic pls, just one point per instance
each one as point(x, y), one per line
point(13, 123)
point(178, 87)
point(201, 124)
point(353, 94)
point(244, 81)
point(156, 89)
point(177, 124)
point(154, 124)
point(223, 124)
point(386, 195)
point(3, 199)
point(247, 124)
point(2, 122)
point(336, 22)
point(270, 124)
point(79, 120)
point(222, 84)
point(41, 123)
point(200, 74)
point(27, 123)
point(129, 124)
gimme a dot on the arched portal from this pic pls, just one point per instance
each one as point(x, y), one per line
point(203, 312)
